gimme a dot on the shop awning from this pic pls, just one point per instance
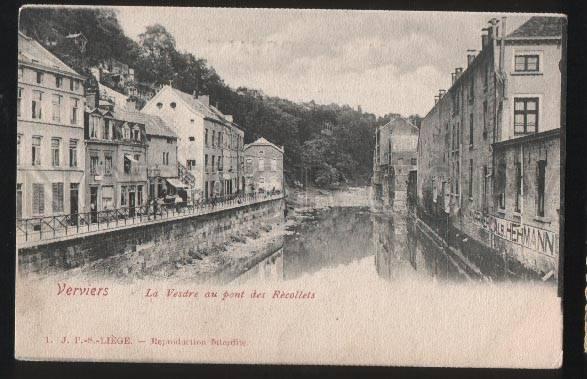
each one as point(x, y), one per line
point(176, 183)
point(130, 158)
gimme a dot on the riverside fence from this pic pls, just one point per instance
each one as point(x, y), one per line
point(38, 229)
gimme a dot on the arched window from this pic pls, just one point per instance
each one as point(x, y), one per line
point(159, 105)
point(125, 132)
point(172, 104)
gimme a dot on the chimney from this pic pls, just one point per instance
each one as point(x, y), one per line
point(131, 104)
point(470, 56)
point(195, 94)
point(92, 98)
point(228, 117)
point(484, 38)
point(453, 77)
point(204, 99)
point(436, 99)
point(492, 30)
point(441, 93)
point(458, 72)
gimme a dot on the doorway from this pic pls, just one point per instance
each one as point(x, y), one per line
point(73, 203)
point(93, 204)
point(131, 204)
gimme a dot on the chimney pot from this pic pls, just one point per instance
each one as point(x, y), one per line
point(204, 99)
point(470, 56)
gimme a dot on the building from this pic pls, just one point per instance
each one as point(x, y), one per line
point(50, 133)
point(489, 149)
point(116, 154)
point(394, 158)
point(263, 167)
point(209, 142)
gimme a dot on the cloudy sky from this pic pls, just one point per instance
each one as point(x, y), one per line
point(384, 61)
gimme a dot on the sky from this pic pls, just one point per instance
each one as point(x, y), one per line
point(384, 61)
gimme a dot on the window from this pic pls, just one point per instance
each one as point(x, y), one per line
point(213, 166)
point(192, 139)
point(213, 137)
point(58, 81)
point(219, 142)
point(18, 200)
point(39, 77)
point(206, 137)
point(108, 164)
point(170, 140)
point(20, 73)
point(501, 181)
point(126, 132)
point(94, 161)
point(18, 137)
point(72, 153)
point(136, 134)
point(413, 161)
point(56, 101)
point(137, 158)
point(219, 161)
point(191, 163)
point(457, 176)
point(94, 124)
point(485, 119)
point(55, 145)
point(36, 104)
point(525, 115)
point(36, 161)
point(166, 159)
point(106, 133)
point(127, 165)
point(261, 153)
point(261, 164)
point(486, 79)
point(123, 195)
point(470, 178)
point(57, 197)
point(139, 195)
point(206, 162)
point(71, 84)
point(74, 110)
point(19, 102)
point(527, 63)
point(485, 188)
point(472, 90)
point(518, 198)
point(172, 105)
point(107, 197)
point(38, 199)
point(273, 165)
point(540, 186)
point(471, 130)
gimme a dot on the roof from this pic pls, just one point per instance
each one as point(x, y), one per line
point(263, 142)
point(198, 106)
point(32, 52)
point(539, 27)
point(154, 125)
point(401, 123)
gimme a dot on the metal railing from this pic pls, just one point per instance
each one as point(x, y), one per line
point(52, 227)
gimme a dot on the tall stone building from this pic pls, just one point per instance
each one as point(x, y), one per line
point(209, 142)
point(395, 157)
point(489, 149)
point(263, 166)
point(50, 133)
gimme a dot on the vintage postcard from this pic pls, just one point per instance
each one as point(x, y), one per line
point(329, 187)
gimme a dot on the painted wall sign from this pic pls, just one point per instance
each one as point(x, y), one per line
point(536, 239)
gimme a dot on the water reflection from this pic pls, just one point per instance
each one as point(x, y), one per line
point(338, 236)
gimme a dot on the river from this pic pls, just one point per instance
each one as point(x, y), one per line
point(327, 238)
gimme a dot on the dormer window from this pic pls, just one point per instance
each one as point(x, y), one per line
point(172, 104)
point(159, 105)
point(136, 134)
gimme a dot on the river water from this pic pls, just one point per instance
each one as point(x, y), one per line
point(331, 238)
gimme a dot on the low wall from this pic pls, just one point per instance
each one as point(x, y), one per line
point(155, 244)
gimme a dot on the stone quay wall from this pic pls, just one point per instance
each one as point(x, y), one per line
point(156, 243)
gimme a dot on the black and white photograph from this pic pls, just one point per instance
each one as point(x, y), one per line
point(289, 186)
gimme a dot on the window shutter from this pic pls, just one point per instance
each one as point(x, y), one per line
point(38, 199)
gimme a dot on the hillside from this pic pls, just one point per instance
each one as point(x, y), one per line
point(334, 142)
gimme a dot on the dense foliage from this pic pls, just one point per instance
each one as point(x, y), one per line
point(328, 144)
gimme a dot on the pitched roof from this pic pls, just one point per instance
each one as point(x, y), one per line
point(31, 51)
point(539, 27)
point(154, 125)
point(401, 124)
point(198, 106)
point(263, 142)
